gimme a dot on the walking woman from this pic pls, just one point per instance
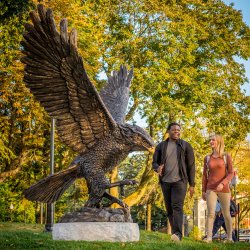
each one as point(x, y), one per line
point(217, 173)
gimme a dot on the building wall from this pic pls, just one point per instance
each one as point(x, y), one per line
point(200, 212)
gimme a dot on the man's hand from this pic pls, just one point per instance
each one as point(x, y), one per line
point(160, 170)
point(204, 196)
point(191, 191)
point(219, 187)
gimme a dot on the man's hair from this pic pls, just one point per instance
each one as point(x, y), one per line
point(173, 124)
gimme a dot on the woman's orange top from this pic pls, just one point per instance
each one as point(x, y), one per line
point(218, 173)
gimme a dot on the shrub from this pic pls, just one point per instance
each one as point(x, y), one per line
point(196, 233)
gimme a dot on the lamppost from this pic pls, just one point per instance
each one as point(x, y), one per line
point(50, 206)
point(193, 218)
point(234, 183)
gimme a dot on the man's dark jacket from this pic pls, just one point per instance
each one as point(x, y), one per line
point(185, 157)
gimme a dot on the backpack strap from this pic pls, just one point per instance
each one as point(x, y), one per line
point(207, 161)
point(225, 160)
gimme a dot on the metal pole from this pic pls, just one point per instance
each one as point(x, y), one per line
point(41, 213)
point(50, 206)
point(235, 218)
point(238, 231)
point(193, 219)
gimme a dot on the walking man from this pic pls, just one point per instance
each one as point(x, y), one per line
point(174, 161)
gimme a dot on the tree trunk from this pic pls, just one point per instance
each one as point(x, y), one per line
point(15, 165)
point(132, 110)
point(145, 183)
point(146, 180)
point(149, 211)
point(114, 191)
point(13, 172)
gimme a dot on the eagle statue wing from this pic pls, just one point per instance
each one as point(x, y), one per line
point(115, 94)
point(55, 74)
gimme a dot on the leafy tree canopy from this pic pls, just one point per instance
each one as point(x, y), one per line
point(184, 57)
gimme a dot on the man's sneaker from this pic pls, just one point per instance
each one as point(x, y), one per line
point(175, 237)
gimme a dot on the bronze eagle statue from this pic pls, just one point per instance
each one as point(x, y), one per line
point(90, 123)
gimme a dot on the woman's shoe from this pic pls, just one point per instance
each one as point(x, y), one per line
point(228, 241)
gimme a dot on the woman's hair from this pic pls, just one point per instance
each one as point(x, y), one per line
point(220, 144)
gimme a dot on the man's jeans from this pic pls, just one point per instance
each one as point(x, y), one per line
point(174, 195)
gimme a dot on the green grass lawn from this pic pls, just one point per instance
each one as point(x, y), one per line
point(30, 236)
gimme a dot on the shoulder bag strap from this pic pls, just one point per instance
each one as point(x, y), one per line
point(225, 160)
point(207, 161)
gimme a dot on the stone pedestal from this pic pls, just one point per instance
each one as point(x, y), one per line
point(96, 231)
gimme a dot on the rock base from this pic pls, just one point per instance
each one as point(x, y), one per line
point(96, 231)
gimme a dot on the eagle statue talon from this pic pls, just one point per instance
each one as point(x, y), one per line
point(93, 203)
point(128, 182)
point(125, 206)
point(90, 123)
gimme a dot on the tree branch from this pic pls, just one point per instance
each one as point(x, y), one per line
point(132, 110)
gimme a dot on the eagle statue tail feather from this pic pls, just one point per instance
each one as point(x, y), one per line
point(49, 189)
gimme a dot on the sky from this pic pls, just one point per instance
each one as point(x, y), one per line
point(244, 7)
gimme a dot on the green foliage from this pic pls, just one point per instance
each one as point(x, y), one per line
point(72, 200)
point(5, 153)
point(185, 69)
point(241, 161)
point(13, 208)
point(25, 212)
point(195, 234)
point(5, 201)
point(159, 216)
point(24, 125)
point(132, 168)
point(12, 8)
